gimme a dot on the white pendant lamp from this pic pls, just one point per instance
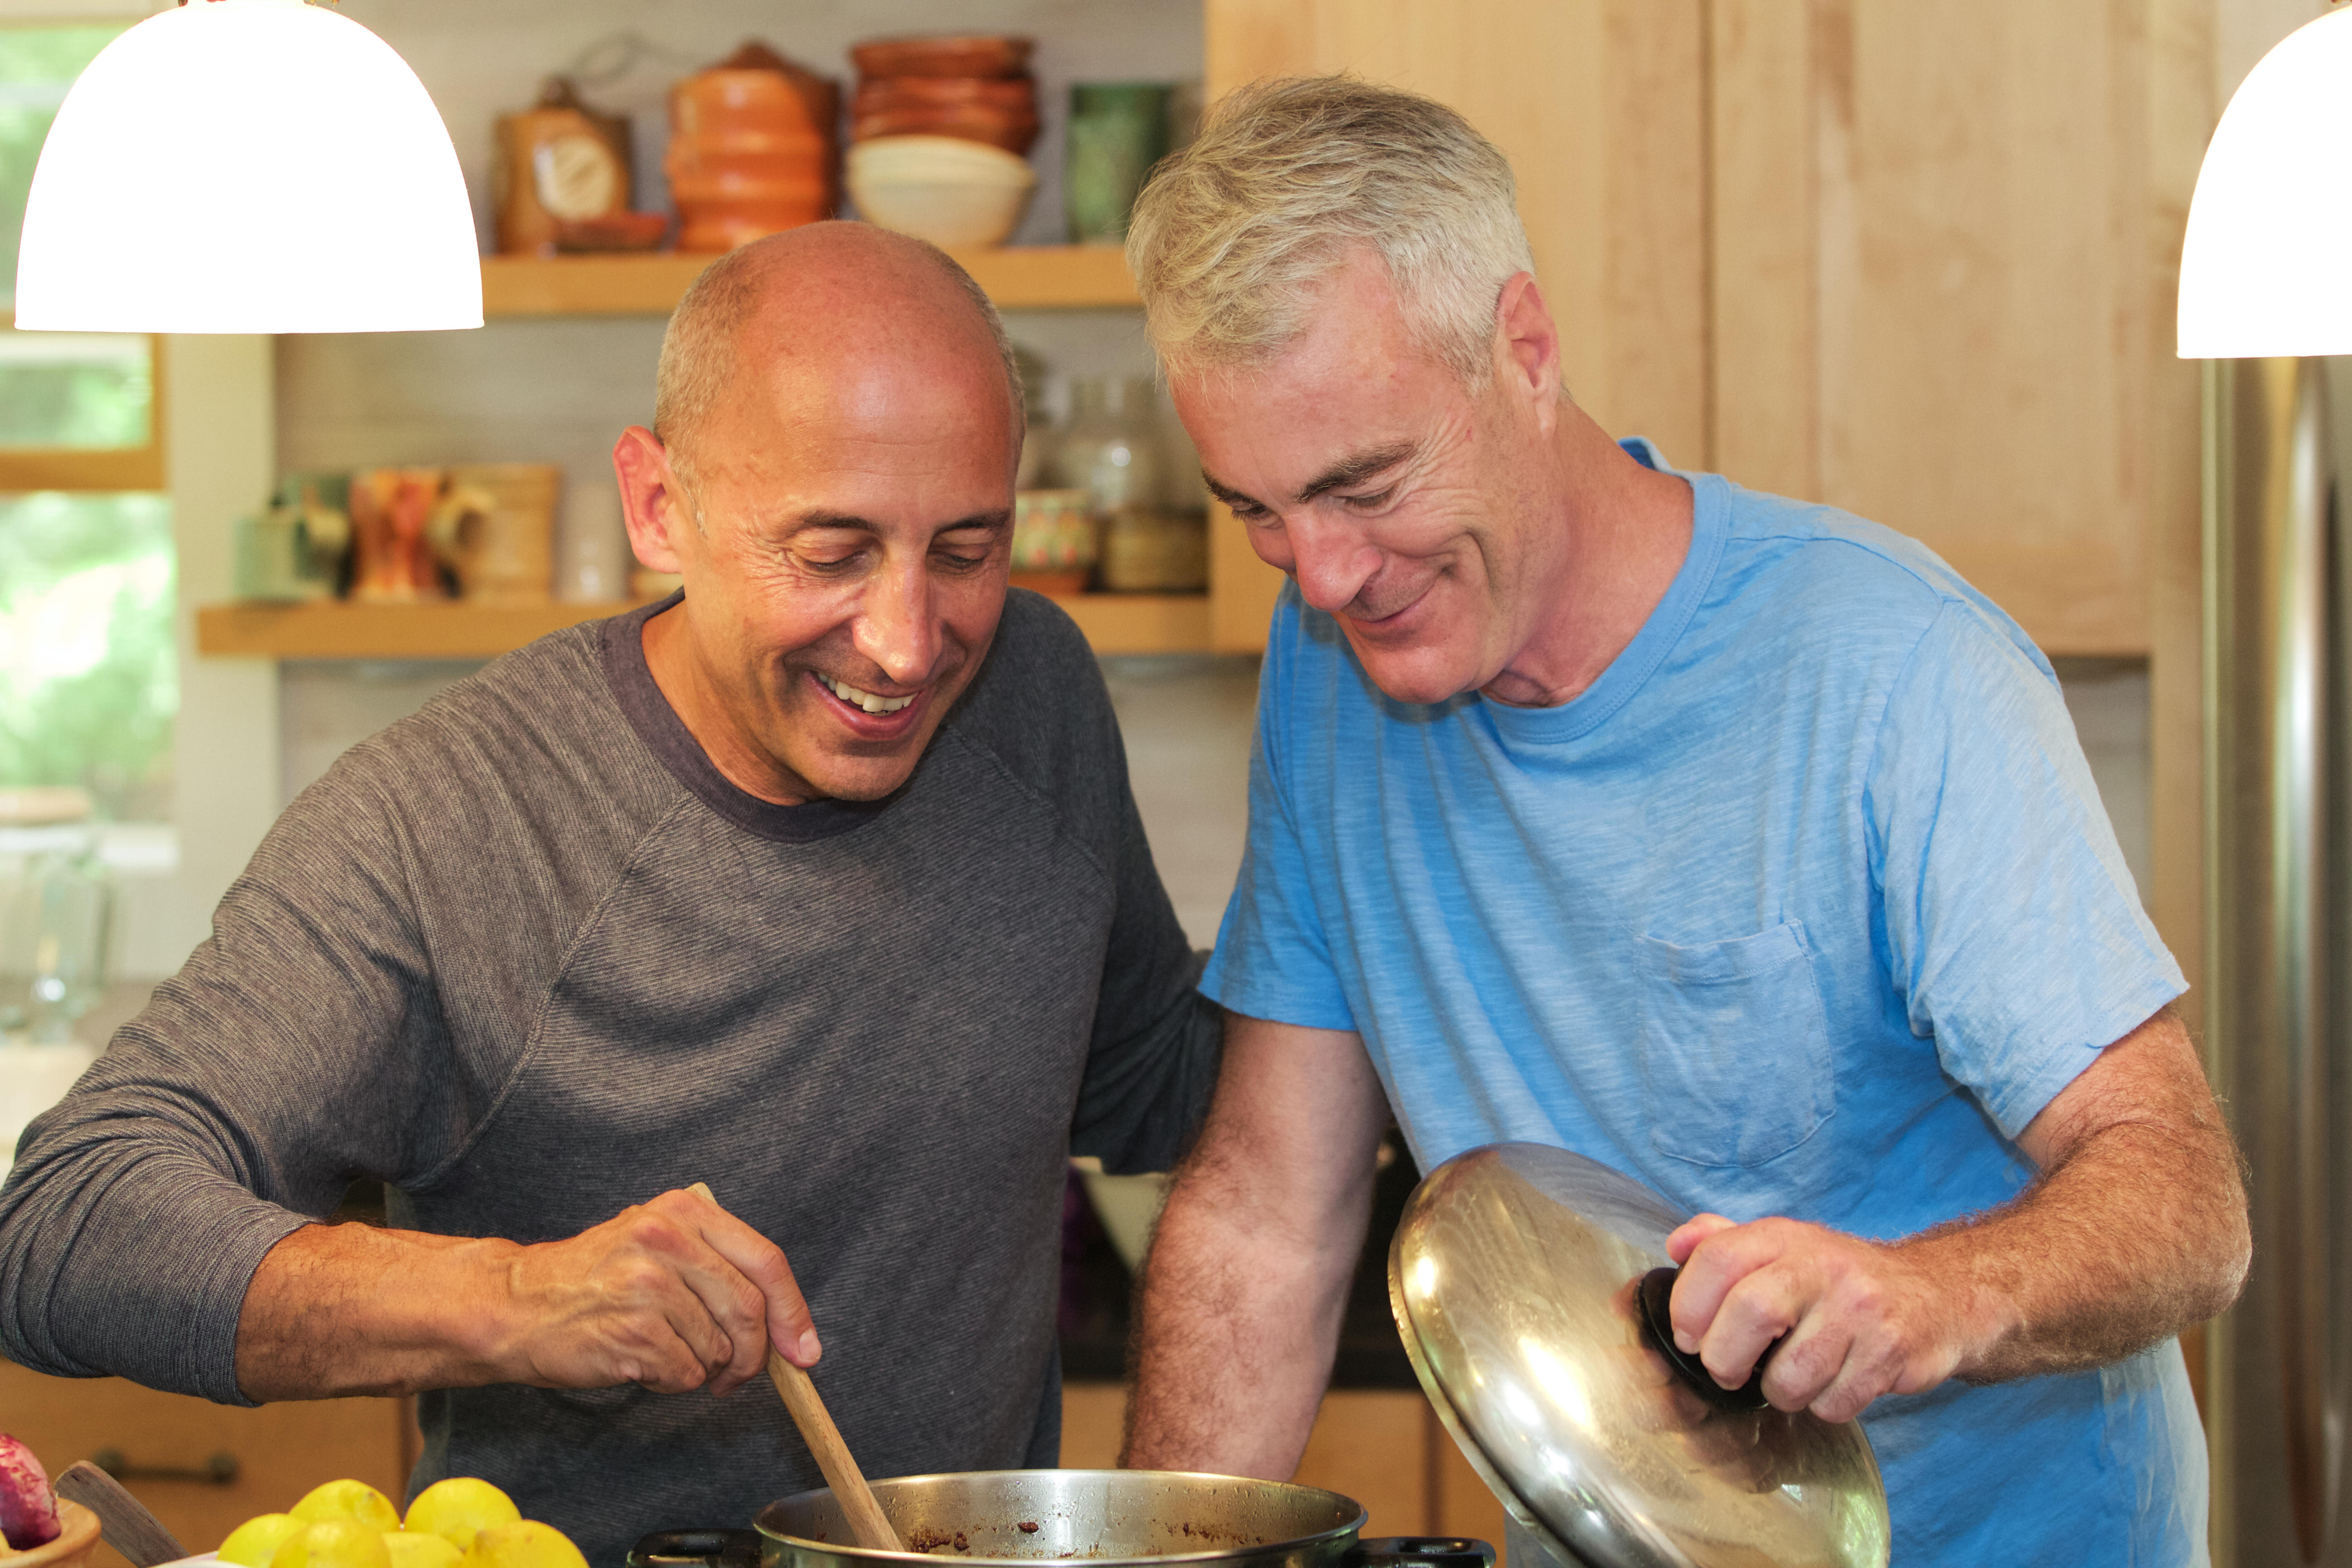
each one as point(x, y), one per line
point(2267, 269)
point(248, 167)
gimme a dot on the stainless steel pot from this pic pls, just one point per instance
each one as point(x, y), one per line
point(1106, 1518)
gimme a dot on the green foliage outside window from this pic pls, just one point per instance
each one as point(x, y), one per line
point(74, 389)
point(57, 389)
point(36, 66)
point(88, 680)
point(89, 684)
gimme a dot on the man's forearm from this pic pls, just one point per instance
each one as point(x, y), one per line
point(1237, 1325)
point(351, 1309)
point(674, 1293)
point(1248, 1273)
point(2096, 1261)
point(2134, 1229)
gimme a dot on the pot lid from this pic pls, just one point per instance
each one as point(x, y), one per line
point(1515, 1278)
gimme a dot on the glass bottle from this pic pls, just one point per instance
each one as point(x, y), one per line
point(1111, 449)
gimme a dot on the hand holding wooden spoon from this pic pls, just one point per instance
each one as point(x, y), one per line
point(866, 1520)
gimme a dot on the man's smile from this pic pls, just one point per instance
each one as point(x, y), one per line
point(870, 702)
point(870, 715)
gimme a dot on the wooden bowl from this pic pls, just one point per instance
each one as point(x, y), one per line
point(1009, 94)
point(77, 1539)
point(942, 56)
point(986, 126)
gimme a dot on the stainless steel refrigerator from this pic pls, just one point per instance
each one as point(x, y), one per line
point(2278, 779)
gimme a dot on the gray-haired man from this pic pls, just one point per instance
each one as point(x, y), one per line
point(821, 884)
point(1734, 842)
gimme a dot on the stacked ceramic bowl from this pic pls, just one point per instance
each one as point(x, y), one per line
point(957, 194)
point(978, 89)
point(939, 128)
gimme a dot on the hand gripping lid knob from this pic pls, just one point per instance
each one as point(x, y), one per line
point(1517, 1278)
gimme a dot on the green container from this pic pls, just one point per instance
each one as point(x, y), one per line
point(1118, 132)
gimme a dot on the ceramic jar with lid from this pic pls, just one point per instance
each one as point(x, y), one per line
point(750, 150)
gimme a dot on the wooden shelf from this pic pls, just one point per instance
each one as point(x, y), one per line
point(1114, 623)
point(1141, 622)
point(1018, 277)
point(332, 630)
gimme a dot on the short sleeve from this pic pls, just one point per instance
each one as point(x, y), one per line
point(2014, 934)
point(1273, 960)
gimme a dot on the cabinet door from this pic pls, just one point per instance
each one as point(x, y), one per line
point(282, 1450)
point(1598, 104)
point(1945, 241)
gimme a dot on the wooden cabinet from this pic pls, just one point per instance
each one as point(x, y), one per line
point(1946, 242)
point(282, 1450)
point(1384, 1448)
point(1915, 261)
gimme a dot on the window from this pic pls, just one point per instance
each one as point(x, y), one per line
point(89, 678)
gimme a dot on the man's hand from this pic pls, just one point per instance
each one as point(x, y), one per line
point(670, 1294)
point(673, 1294)
point(2135, 1228)
point(1855, 1319)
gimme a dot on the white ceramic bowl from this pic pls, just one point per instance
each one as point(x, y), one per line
point(953, 193)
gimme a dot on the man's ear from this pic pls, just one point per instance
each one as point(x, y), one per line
point(1527, 348)
point(651, 498)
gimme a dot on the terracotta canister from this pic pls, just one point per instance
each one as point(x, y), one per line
point(751, 149)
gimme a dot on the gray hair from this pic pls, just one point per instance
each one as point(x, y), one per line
point(698, 347)
point(1290, 176)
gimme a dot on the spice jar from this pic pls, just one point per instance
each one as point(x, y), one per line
point(1113, 452)
point(1111, 449)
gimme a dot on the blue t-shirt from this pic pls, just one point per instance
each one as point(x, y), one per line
point(1805, 907)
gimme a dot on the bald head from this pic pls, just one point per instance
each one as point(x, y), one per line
point(820, 304)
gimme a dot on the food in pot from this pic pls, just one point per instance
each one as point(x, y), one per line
point(28, 1509)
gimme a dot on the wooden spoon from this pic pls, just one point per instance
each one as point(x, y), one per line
point(867, 1523)
point(123, 1522)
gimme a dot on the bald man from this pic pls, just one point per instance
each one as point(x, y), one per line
point(820, 882)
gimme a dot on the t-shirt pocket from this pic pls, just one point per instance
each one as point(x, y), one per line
point(1734, 1047)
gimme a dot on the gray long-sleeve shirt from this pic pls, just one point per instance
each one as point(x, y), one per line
point(528, 958)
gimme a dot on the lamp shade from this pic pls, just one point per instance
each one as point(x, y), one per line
point(2267, 269)
point(248, 167)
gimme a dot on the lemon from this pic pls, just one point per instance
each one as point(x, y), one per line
point(354, 1501)
point(458, 1506)
point(420, 1549)
point(254, 1542)
point(333, 1543)
point(529, 1544)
